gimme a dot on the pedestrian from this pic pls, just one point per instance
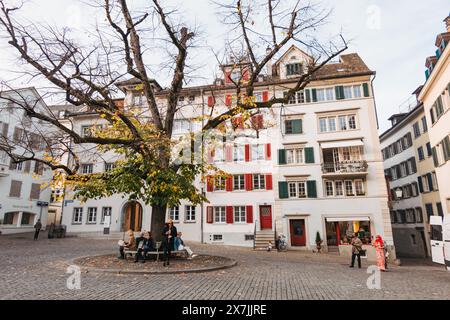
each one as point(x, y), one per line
point(356, 250)
point(386, 254)
point(379, 248)
point(169, 234)
point(37, 228)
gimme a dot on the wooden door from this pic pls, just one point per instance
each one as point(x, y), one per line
point(265, 215)
point(298, 235)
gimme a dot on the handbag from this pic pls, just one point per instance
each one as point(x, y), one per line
point(362, 252)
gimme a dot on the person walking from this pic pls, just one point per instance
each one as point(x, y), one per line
point(169, 234)
point(356, 250)
point(379, 248)
point(37, 228)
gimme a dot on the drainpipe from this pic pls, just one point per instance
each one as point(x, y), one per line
point(202, 177)
point(373, 96)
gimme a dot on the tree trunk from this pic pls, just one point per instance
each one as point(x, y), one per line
point(158, 221)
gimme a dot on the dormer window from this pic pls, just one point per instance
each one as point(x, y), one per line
point(137, 99)
point(191, 98)
point(235, 75)
point(181, 99)
point(293, 69)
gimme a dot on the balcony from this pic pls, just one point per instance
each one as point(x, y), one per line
point(348, 167)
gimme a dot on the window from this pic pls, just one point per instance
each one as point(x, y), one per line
point(190, 214)
point(426, 184)
point(301, 96)
point(174, 213)
point(217, 237)
point(320, 94)
point(239, 214)
point(332, 124)
point(219, 183)
point(419, 215)
point(429, 149)
point(439, 209)
point(410, 216)
point(295, 156)
point(349, 188)
point(181, 126)
point(359, 187)
point(137, 99)
point(347, 92)
point(15, 189)
point(191, 98)
point(297, 189)
point(109, 166)
point(35, 191)
point(424, 124)
point(330, 94)
point(356, 91)
point(219, 215)
point(323, 124)
point(92, 215)
point(416, 130)
point(239, 152)
point(258, 152)
point(434, 181)
point(106, 211)
point(77, 215)
point(420, 153)
point(293, 69)
point(429, 210)
point(87, 168)
point(338, 187)
point(293, 126)
point(259, 182)
point(238, 182)
point(329, 188)
point(342, 123)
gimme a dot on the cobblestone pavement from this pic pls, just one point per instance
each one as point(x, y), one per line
point(37, 270)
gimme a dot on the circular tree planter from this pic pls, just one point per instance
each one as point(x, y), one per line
point(110, 263)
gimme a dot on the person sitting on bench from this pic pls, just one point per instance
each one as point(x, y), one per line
point(129, 245)
point(179, 245)
point(144, 245)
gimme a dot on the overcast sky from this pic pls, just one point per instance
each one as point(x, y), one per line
point(392, 37)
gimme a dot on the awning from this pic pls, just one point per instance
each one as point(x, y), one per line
point(340, 144)
point(337, 219)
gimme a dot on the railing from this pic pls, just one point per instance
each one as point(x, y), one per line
point(345, 166)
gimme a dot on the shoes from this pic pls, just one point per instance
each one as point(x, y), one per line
point(120, 257)
point(135, 261)
point(351, 266)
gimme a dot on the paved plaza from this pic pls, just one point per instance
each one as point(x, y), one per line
point(37, 270)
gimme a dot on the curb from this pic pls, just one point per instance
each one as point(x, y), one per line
point(231, 264)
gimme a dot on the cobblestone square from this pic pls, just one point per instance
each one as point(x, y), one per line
point(37, 270)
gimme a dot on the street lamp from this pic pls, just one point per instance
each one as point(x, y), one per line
point(399, 193)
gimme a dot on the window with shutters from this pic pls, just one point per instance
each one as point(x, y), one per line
point(429, 149)
point(434, 181)
point(416, 130)
point(238, 152)
point(259, 182)
point(410, 216)
point(348, 92)
point(357, 91)
point(38, 168)
point(258, 152)
point(338, 123)
point(425, 183)
point(219, 215)
point(239, 182)
point(189, 213)
point(91, 215)
point(420, 153)
point(15, 189)
point(35, 191)
point(239, 214)
point(219, 183)
point(419, 215)
point(174, 213)
point(424, 124)
point(77, 217)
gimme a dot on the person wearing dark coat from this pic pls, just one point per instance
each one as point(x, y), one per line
point(169, 234)
point(37, 228)
point(144, 244)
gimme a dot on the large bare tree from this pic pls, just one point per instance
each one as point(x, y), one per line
point(86, 73)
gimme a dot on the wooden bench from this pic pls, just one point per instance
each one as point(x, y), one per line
point(157, 253)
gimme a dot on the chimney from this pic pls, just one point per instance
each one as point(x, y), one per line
point(269, 63)
point(447, 23)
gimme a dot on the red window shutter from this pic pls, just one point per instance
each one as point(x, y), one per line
point(228, 100)
point(227, 77)
point(229, 153)
point(209, 214)
point(210, 101)
point(268, 151)
point(229, 183)
point(229, 211)
point(269, 181)
point(259, 121)
point(211, 156)
point(249, 213)
point(246, 75)
point(265, 96)
point(247, 153)
point(209, 184)
point(248, 182)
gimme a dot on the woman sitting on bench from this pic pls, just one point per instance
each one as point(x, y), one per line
point(129, 245)
point(144, 245)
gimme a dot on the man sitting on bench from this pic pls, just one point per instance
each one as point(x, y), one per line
point(144, 244)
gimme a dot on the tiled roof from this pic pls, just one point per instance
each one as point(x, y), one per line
point(350, 64)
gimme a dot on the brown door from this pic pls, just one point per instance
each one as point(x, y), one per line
point(133, 217)
point(265, 215)
point(298, 236)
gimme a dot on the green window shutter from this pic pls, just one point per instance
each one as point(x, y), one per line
point(297, 126)
point(309, 155)
point(435, 157)
point(311, 189)
point(366, 89)
point(446, 146)
point(281, 156)
point(339, 92)
point(283, 190)
point(314, 95)
point(308, 95)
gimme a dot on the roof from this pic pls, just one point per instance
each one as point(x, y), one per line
point(443, 36)
point(135, 81)
point(402, 122)
point(292, 47)
point(349, 64)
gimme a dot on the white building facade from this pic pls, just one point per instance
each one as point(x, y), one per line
point(313, 165)
point(24, 187)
